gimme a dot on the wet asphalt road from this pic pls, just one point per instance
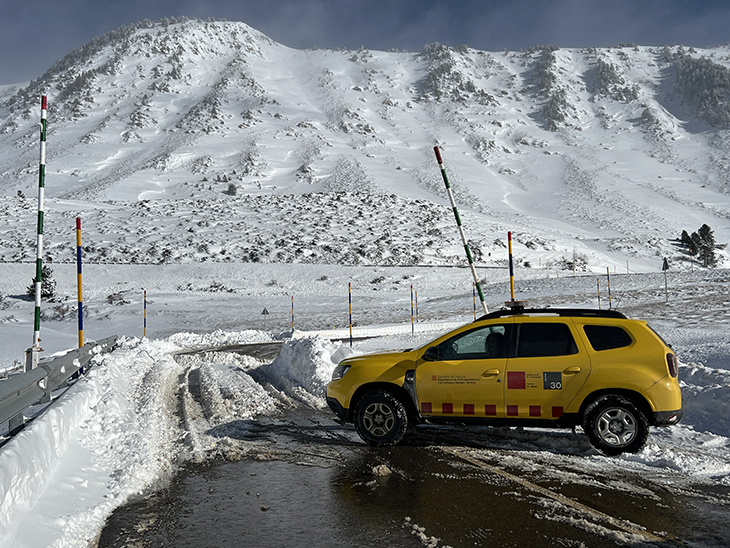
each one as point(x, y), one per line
point(319, 485)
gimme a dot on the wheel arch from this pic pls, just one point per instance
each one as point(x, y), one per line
point(635, 397)
point(397, 391)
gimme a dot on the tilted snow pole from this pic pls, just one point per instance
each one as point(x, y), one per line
point(461, 230)
point(39, 253)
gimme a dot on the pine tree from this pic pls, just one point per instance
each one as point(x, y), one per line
point(707, 246)
point(48, 284)
point(688, 243)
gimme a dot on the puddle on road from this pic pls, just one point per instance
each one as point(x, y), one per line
point(277, 503)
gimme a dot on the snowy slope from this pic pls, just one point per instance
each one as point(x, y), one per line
point(604, 155)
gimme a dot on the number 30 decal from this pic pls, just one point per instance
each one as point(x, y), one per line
point(552, 380)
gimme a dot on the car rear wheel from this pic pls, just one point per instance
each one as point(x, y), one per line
point(381, 419)
point(615, 425)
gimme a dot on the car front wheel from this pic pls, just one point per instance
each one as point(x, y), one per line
point(615, 425)
point(381, 419)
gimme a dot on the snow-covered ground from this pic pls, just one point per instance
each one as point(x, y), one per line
point(115, 433)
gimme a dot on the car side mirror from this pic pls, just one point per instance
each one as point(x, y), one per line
point(432, 354)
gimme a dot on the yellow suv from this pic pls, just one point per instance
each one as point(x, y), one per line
point(554, 368)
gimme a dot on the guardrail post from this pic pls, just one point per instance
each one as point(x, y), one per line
point(15, 423)
point(31, 358)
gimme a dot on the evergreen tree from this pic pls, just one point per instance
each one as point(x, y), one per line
point(706, 251)
point(688, 243)
point(48, 284)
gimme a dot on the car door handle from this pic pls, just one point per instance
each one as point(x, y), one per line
point(571, 370)
point(490, 373)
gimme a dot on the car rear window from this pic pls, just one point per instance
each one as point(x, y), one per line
point(607, 337)
point(545, 339)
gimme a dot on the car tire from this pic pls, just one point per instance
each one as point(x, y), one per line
point(615, 425)
point(380, 418)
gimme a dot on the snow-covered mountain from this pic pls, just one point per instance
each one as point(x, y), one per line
point(186, 140)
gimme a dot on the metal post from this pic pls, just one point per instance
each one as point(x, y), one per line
point(461, 230)
point(598, 285)
point(31, 358)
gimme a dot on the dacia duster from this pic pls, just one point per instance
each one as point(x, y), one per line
point(554, 368)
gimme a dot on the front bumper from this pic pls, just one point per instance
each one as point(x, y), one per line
point(337, 408)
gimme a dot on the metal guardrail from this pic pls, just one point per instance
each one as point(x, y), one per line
point(18, 392)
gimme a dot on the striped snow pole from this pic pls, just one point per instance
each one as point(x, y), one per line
point(461, 230)
point(145, 313)
point(78, 282)
point(413, 325)
point(41, 199)
point(349, 297)
point(292, 313)
point(474, 298)
point(608, 281)
point(598, 286)
point(416, 306)
point(511, 268)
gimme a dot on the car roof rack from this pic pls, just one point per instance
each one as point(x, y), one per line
point(573, 312)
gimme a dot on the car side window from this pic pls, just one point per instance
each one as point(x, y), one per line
point(478, 344)
point(607, 337)
point(545, 339)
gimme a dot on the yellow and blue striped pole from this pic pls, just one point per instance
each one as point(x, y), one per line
point(78, 279)
point(41, 200)
point(461, 230)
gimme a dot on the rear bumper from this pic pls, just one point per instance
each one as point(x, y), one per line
point(337, 408)
point(667, 418)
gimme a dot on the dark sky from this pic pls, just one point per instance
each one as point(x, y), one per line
point(36, 33)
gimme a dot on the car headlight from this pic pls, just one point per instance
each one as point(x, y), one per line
point(339, 372)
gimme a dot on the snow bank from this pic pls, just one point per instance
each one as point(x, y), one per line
point(706, 398)
point(306, 364)
point(25, 461)
point(111, 436)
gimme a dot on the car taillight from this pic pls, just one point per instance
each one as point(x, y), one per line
point(672, 364)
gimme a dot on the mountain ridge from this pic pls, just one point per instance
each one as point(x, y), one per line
point(601, 154)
